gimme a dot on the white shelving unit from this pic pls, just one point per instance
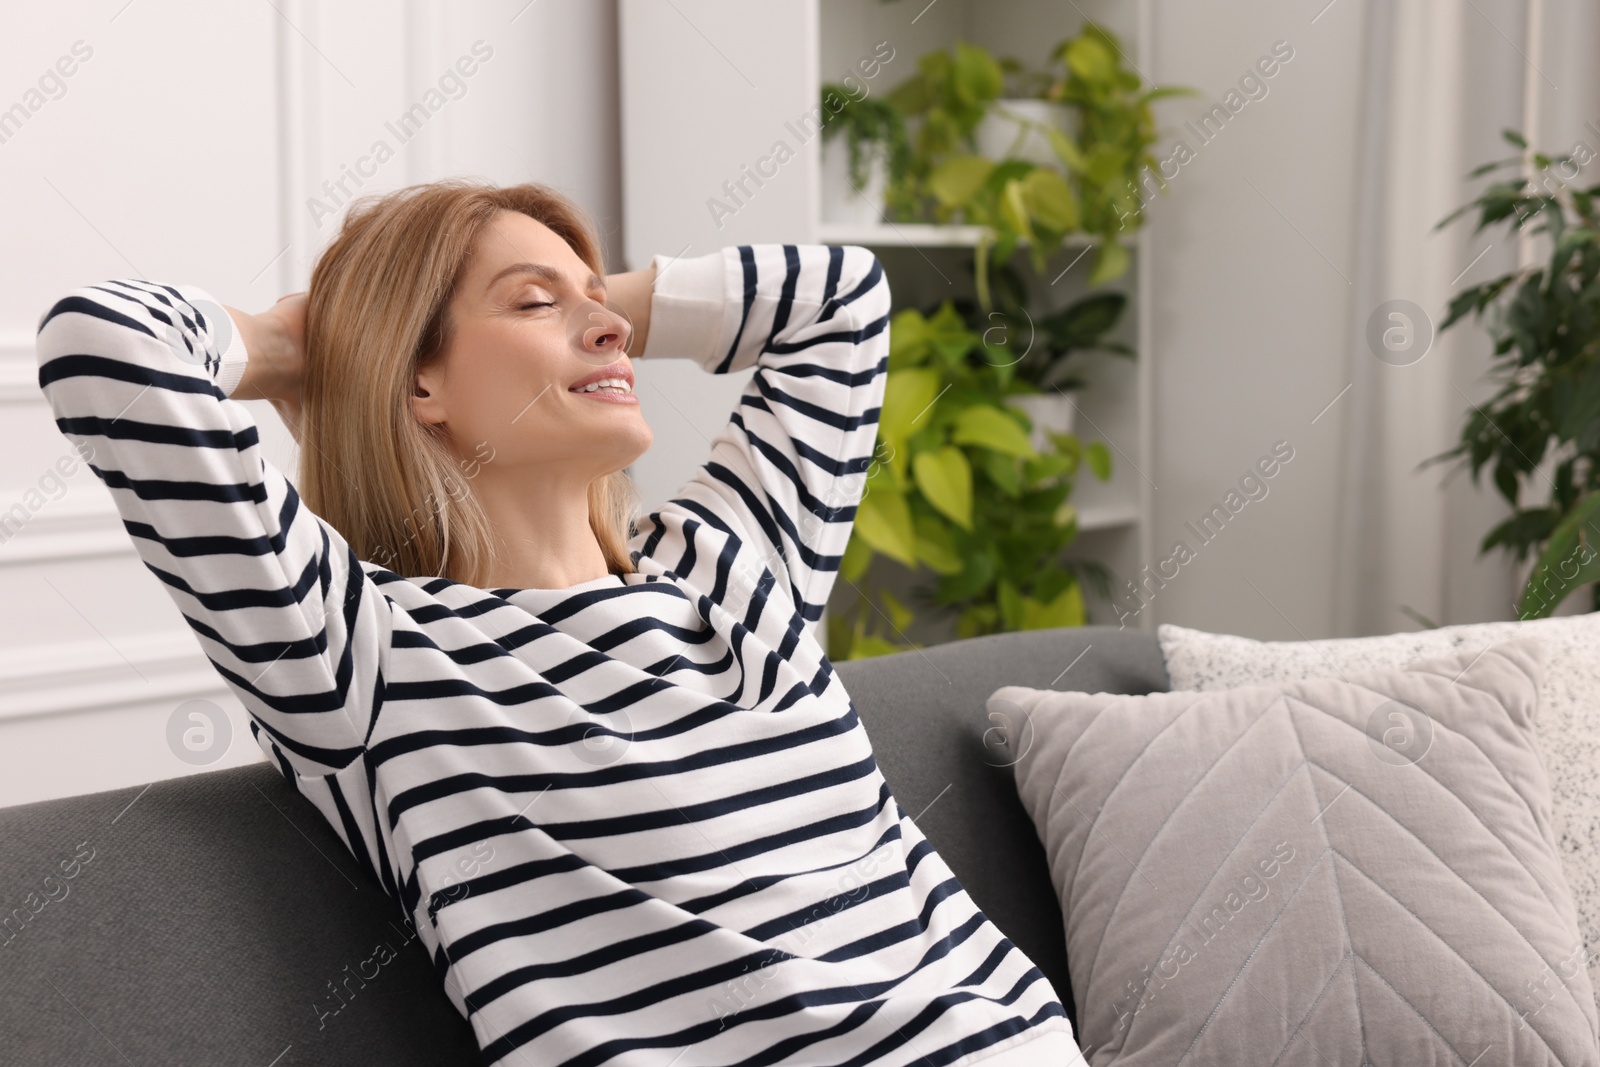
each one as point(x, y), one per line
point(915, 235)
point(709, 87)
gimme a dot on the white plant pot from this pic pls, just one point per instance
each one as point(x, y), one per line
point(1051, 411)
point(841, 202)
point(998, 131)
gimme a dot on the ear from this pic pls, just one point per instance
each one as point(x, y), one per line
point(426, 401)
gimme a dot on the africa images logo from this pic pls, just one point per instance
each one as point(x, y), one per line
point(1189, 939)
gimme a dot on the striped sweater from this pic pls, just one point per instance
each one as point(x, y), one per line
point(631, 820)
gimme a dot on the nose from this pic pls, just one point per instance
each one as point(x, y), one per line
point(602, 330)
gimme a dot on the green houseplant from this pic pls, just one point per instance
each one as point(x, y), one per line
point(1042, 345)
point(1545, 324)
point(867, 124)
point(1092, 189)
point(968, 490)
point(963, 494)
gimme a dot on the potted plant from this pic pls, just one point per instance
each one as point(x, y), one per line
point(1115, 130)
point(942, 103)
point(1017, 123)
point(964, 494)
point(1543, 320)
point(1088, 182)
point(1019, 128)
point(1034, 104)
point(858, 170)
point(1040, 347)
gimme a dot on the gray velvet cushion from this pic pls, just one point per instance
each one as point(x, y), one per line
point(1347, 871)
point(1567, 731)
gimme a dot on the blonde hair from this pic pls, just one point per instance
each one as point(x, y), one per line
point(377, 312)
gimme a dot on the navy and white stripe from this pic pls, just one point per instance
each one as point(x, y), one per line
point(626, 817)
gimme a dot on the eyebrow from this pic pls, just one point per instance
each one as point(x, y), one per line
point(547, 274)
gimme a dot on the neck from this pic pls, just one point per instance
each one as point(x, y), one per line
point(542, 526)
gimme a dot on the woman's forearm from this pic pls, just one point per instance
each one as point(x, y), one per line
point(629, 294)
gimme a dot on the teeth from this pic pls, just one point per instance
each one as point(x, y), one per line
point(617, 385)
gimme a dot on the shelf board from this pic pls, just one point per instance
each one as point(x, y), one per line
point(1107, 516)
point(915, 234)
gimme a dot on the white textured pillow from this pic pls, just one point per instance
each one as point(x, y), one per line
point(1568, 723)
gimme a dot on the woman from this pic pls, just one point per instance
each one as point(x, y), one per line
point(603, 764)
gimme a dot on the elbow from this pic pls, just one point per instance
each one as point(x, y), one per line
point(79, 318)
point(59, 322)
point(863, 293)
point(111, 300)
point(54, 335)
point(83, 299)
point(864, 284)
point(89, 325)
point(59, 306)
point(862, 269)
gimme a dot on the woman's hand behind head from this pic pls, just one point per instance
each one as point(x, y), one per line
point(275, 341)
point(290, 312)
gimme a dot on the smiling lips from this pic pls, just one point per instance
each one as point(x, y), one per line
point(612, 383)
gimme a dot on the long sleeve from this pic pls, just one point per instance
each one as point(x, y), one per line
point(140, 372)
point(788, 469)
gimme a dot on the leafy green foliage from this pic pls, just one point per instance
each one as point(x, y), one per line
point(1569, 561)
point(1092, 190)
point(1040, 348)
point(1545, 324)
point(949, 94)
point(866, 121)
point(964, 496)
point(1116, 128)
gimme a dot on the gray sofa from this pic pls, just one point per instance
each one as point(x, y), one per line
point(210, 918)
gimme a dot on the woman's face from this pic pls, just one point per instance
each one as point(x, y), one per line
point(531, 322)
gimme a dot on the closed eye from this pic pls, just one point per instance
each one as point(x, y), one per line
point(540, 304)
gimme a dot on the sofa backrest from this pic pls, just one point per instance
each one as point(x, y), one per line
point(216, 918)
point(213, 918)
point(925, 713)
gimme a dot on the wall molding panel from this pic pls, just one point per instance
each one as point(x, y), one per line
point(67, 529)
point(312, 88)
point(63, 677)
point(19, 371)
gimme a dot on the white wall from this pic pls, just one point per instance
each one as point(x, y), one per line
point(742, 71)
point(1259, 305)
point(1249, 311)
point(184, 149)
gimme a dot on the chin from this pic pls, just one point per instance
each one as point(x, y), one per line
point(626, 448)
point(643, 439)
